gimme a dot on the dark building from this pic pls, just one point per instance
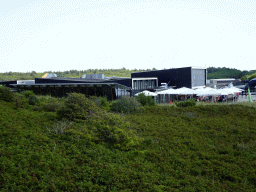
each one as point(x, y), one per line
point(180, 77)
point(113, 87)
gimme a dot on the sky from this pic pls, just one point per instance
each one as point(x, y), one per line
point(60, 35)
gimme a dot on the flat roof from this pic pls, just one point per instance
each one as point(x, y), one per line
point(65, 84)
point(172, 68)
point(88, 80)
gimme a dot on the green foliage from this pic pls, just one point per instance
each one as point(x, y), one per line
point(20, 101)
point(101, 102)
point(52, 106)
point(104, 126)
point(59, 127)
point(31, 97)
point(219, 73)
point(126, 104)
point(10, 76)
point(104, 103)
point(201, 148)
point(123, 72)
point(252, 76)
point(77, 106)
point(6, 94)
point(113, 130)
point(187, 103)
point(27, 94)
point(213, 73)
point(32, 100)
point(145, 100)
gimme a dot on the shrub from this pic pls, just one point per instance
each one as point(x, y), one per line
point(113, 130)
point(20, 101)
point(32, 100)
point(95, 99)
point(104, 103)
point(52, 106)
point(31, 97)
point(187, 103)
point(145, 100)
point(126, 104)
point(37, 108)
point(6, 94)
point(76, 106)
point(101, 102)
point(27, 94)
point(59, 127)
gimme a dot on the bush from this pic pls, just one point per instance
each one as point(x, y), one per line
point(59, 127)
point(6, 94)
point(27, 94)
point(187, 103)
point(95, 99)
point(104, 103)
point(101, 102)
point(76, 106)
point(20, 101)
point(126, 104)
point(52, 106)
point(113, 130)
point(32, 100)
point(145, 100)
point(31, 97)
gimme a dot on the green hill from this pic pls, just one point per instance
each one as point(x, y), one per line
point(162, 148)
point(222, 73)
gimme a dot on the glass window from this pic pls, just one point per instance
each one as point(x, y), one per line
point(153, 83)
point(135, 84)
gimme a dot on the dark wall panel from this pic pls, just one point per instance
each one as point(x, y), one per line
point(7, 83)
point(184, 77)
point(180, 77)
point(125, 82)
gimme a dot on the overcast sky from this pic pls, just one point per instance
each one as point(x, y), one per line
point(61, 35)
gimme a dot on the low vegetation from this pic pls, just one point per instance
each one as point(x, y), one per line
point(74, 144)
point(212, 73)
point(187, 103)
point(145, 100)
point(126, 104)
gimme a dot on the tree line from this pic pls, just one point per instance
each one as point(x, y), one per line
point(212, 73)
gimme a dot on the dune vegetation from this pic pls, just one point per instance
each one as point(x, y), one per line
point(91, 144)
point(212, 73)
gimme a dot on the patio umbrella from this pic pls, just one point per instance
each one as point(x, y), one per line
point(212, 92)
point(168, 91)
point(146, 93)
point(186, 91)
point(232, 90)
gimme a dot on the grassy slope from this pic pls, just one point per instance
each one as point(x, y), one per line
point(209, 148)
point(202, 148)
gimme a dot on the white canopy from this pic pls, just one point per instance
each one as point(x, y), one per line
point(232, 90)
point(201, 91)
point(146, 93)
point(212, 92)
point(168, 91)
point(186, 91)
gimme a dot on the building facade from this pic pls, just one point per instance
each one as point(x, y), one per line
point(179, 77)
point(113, 87)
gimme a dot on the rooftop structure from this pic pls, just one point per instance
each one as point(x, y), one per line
point(114, 87)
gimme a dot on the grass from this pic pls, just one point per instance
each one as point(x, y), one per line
point(209, 147)
point(246, 104)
